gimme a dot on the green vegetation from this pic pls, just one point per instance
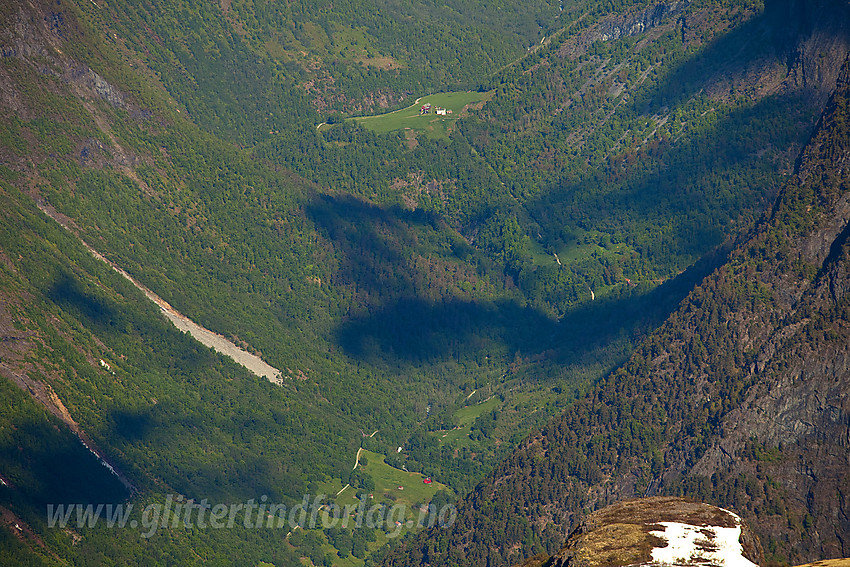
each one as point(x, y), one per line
point(432, 124)
point(79, 310)
point(390, 265)
point(465, 418)
point(390, 496)
point(646, 429)
point(387, 480)
point(246, 69)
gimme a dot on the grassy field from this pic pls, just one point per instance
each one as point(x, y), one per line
point(465, 417)
point(431, 124)
point(388, 479)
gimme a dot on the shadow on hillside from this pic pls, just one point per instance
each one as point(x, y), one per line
point(132, 425)
point(635, 312)
point(67, 292)
point(683, 199)
point(405, 326)
point(412, 330)
point(727, 59)
point(202, 456)
point(50, 466)
point(707, 179)
point(406, 319)
point(415, 330)
point(374, 244)
point(732, 60)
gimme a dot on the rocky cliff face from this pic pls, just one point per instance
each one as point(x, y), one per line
point(814, 37)
point(799, 406)
point(625, 26)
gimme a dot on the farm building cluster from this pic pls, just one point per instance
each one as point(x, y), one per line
point(427, 108)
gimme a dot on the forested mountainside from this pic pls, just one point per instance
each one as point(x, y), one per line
point(440, 290)
point(630, 158)
point(740, 399)
point(245, 69)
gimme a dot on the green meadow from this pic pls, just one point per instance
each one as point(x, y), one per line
point(392, 487)
point(431, 124)
point(465, 418)
point(388, 480)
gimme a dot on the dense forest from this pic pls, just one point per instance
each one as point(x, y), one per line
point(451, 294)
point(711, 406)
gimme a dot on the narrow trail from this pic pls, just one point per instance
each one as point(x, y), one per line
point(204, 336)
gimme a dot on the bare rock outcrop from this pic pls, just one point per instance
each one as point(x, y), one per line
point(659, 530)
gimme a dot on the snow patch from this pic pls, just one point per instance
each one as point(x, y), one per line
point(704, 545)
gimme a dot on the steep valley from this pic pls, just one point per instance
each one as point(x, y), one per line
point(619, 272)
